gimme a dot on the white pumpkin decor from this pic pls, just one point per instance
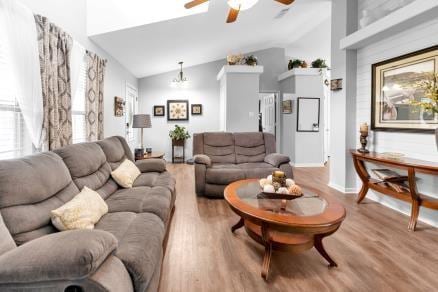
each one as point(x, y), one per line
point(291, 187)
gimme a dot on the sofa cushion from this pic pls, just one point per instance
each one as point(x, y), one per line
point(254, 165)
point(224, 175)
point(249, 147)
point(87, 164)
point(116, 150)
point(156, 200)
point(6, 241)
point(156, 179)
point(140, 239)
point(30, 187)
point(219, 147)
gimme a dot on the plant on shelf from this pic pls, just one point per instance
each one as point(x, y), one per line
point(235, 59)
point(179, 134)
point(319, 63)
point(295, 63)
point(251, 60)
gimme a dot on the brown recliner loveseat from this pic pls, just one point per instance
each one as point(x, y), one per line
point(221, 158)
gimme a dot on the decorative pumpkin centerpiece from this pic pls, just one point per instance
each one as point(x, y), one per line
point(278, 184)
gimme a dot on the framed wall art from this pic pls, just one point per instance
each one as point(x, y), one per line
point(177, 110)
point(286, 106)
point(397, 91)
point(159, 110)
point(196, 109)
point(336, 84)
point(119, 106)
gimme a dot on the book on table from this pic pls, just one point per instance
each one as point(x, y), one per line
point(392, 179)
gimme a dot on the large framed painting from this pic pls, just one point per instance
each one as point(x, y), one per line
point(396, 92)
point(177, 110)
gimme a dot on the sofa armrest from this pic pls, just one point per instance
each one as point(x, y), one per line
point(66, 255)
point(202, 159)
point(151, 165)
point(276, 159)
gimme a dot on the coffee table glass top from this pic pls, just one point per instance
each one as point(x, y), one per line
point(309, 204)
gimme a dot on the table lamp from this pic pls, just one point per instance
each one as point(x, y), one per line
point(140, 122)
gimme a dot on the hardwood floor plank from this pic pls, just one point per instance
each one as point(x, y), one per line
point(373, 248)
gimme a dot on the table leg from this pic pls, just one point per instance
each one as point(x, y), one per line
point(320, 248)
point(415, 210)
point(238, 225)
point(268, 252)
point(364, 177)
point(416, 199)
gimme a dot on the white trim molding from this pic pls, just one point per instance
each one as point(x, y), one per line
point(239, 69)
point(342, 189)
point(307, 164)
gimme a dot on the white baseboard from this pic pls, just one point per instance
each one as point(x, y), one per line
point(342, 189)
point(307, 164)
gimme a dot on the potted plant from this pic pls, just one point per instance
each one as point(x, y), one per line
point(251, 60)
point(430, 102)
point(294, 63)
point(319, 63)
point(179, 135)
point(234, 59)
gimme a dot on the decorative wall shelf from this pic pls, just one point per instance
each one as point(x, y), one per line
point(412, 14)
point(300, 71)
point(239, 69)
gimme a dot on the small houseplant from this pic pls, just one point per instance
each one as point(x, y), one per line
point(251, 60)
point(430, 102)
point(179, 134)
point(319, 63)
point(295, 63)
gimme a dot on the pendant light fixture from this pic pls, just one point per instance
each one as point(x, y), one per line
point(181, 78)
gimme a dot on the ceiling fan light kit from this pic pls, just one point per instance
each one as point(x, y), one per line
point(235, 6)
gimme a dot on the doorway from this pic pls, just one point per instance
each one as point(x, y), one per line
point(268, 114)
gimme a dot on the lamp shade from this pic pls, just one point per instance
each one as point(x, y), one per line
point(142, 121)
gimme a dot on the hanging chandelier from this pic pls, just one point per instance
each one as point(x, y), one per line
point(181, 78)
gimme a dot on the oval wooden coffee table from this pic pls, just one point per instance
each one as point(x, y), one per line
point(301, 225)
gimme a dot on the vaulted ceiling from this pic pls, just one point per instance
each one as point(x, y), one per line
point(150, 38)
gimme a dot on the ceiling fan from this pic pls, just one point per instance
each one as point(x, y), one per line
point(235, 6)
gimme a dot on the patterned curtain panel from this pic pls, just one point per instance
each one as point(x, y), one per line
point(94, 98)
point(54, 48)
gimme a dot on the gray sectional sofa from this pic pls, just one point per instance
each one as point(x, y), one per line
point(125, 250)
point(221, 158)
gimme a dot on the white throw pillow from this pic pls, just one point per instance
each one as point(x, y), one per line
point(126, 174)
point(81, 212)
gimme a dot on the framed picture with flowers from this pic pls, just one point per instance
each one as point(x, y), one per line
point(177, 110)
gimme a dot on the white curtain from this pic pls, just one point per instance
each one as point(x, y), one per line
point(78, 57)
point(17, 26)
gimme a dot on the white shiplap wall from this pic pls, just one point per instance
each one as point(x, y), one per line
point(379, 8)
point(421, 146)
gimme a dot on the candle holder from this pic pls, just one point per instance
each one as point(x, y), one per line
point(279, 177)
point(363, 142)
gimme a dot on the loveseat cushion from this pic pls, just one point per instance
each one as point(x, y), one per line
point(156, 200)
point(30, 187)
point(153, 164)
point(219, 147)
point(140, 239)
point(250, 147)
point(277, 159)
point(224, 174)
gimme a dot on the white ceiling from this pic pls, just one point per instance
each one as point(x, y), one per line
point(157, 47)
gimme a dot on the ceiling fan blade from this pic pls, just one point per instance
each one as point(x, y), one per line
point(285, 2)
point(194, 3)
point(232, 15)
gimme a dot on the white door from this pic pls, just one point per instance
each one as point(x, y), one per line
point(267, 111)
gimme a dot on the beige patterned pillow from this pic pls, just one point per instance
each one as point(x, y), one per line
point(81, 212)
point(126, 174)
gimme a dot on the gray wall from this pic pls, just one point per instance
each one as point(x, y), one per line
point(204, 88)
point(70, 15)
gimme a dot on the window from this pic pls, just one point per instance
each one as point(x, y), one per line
point(14, 138)
point(78, 104)
point(130, 101)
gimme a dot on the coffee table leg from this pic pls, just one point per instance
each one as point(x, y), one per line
point(320, 248)
point(268, 252)
point(238, 225)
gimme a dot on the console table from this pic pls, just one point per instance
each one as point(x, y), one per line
point(412, 166)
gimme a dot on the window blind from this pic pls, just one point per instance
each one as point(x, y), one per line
point(78, 106)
